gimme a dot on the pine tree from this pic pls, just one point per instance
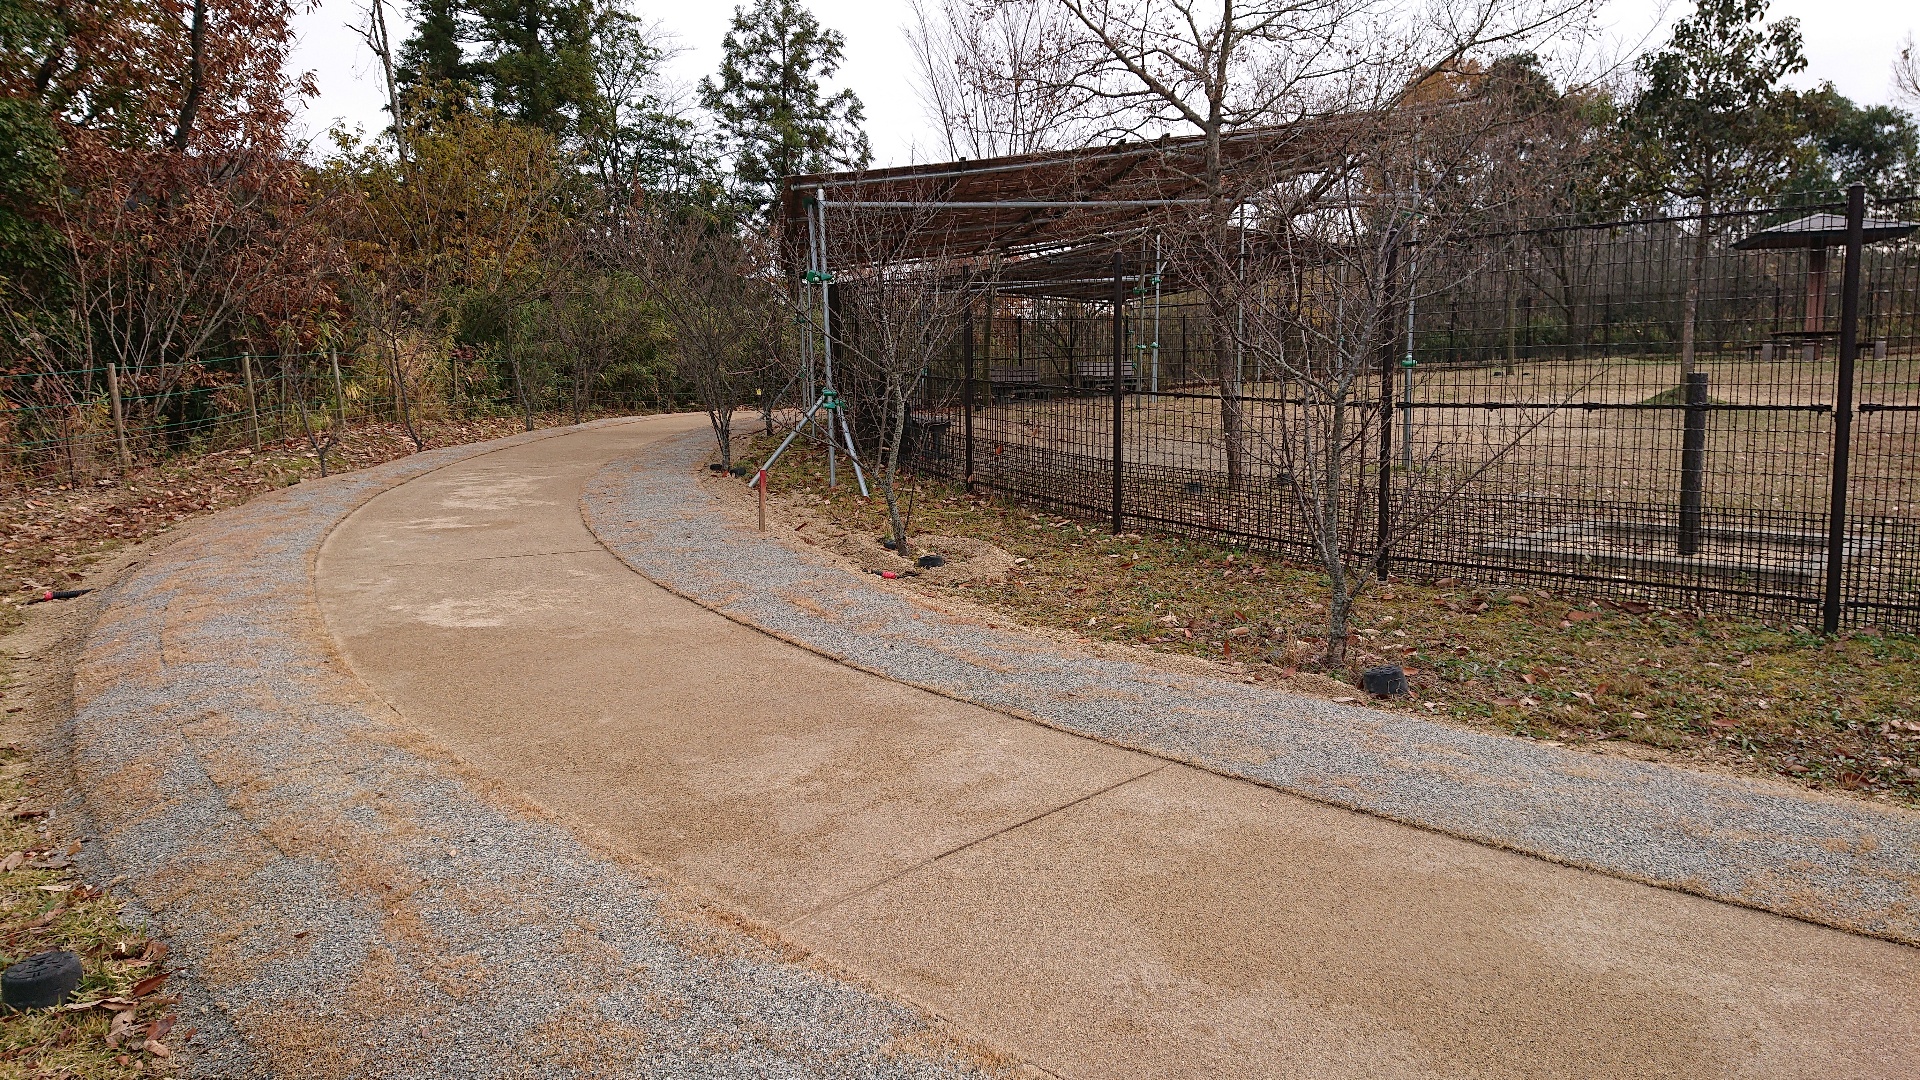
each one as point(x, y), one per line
point(529, 60)
point(770, 105)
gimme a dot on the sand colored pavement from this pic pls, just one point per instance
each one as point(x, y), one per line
point(1092, 910)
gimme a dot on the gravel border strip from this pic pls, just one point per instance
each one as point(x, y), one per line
point(345, 903)
point(1766, 846)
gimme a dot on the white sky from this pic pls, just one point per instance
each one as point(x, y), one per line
point(1851, 43)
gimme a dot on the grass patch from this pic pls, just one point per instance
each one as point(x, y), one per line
point(1771, 699)
point(125, 1028)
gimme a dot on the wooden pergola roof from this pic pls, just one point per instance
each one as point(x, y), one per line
point(1057, 216)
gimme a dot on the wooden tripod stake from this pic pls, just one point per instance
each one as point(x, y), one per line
point(760, 482)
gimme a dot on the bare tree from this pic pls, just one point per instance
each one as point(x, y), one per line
point(1906, 72)
point(902, 310)
point(716, 288)
point(1166, 65)
point(996, 79)
point(1323, 284)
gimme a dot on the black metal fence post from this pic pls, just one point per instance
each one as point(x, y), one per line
point(1830, 609)
point(966, 392)
point(1693, 461)
point(1382, 540)
point(1119, 384)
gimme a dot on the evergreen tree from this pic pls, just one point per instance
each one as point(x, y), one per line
point(1712, 125)
point(529, 60)
point(29, 146)
point(770, 105)
point(434, 55)
point(1875, 145)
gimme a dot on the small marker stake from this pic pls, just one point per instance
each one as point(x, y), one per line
point(760, 482)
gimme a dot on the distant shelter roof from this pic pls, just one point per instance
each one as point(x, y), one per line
point(1822, 231)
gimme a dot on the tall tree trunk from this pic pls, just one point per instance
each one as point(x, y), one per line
point(196, 76)
point(400, 401)
point(896, 398)
point(384, 47)
point(1696, 275)
point(1330, 541)
point(1221, 313)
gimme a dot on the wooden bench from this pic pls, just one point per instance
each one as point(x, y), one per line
point(926, 435)
point(1098, 374)
point(1006, 383)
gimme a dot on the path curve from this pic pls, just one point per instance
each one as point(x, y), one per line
point(1093, 908)
point(1761, 844)
point(347, 901)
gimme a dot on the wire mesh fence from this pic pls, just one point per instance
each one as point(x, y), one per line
point(86, 422)
point(1650, 410)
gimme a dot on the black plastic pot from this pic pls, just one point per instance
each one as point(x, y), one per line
point(1386, 680)
point(41, 982)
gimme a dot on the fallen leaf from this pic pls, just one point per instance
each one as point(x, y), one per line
point(149, 984)
point(1576, 615)
point(121, 1029)
point(157, 1049)
point(13, 861)
point(1527, 677)
point(1723, 723)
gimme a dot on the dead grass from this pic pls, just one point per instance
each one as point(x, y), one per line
point(1757, 698)
point(52, 530)
point(118, 1024)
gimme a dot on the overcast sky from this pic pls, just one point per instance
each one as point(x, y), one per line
point(1851, 43)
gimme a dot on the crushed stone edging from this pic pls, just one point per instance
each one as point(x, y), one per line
point(1851, 866)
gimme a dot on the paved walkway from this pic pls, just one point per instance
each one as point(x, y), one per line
point(347, 901)
point(1093, 908)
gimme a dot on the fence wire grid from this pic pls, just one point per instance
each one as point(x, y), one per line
point(1547, 425)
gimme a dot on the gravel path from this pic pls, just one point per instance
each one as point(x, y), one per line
point(346, 902)
point(1841, 863)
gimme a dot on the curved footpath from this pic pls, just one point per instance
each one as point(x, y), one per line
point(349, 902)
point(1157, 899)
point(1765, 845)
point(526, 812)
